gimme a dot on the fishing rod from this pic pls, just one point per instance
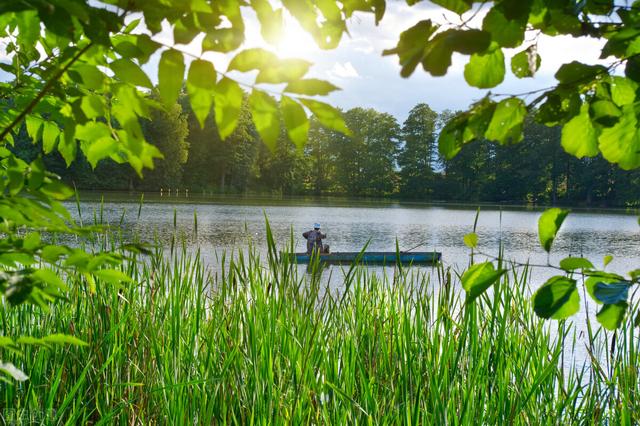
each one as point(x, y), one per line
point(424, 243)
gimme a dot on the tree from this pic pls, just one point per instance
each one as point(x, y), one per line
point(366, 161)
point(321, 163)
point(418, 154)
point(283, 169)
point(167, 130)
point(215, 162)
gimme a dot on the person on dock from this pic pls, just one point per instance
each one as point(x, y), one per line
point(314, 240)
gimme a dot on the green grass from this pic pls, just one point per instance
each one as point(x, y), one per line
point(263, 344)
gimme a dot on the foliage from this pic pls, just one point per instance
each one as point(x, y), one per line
point(594, 103)
point(79, 88)
point(559, 298)
point(366, 160)
point(78, 85)
point(537, 170)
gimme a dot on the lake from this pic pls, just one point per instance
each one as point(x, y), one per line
point(229, 223)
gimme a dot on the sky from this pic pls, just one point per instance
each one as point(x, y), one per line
point(368, 79)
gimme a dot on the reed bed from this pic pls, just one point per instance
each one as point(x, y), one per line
point(265, 344)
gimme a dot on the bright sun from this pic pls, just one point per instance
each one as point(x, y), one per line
point(295, 42)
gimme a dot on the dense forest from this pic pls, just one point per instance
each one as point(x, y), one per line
point(382, 158)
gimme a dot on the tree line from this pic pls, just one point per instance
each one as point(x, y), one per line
point(381, 158)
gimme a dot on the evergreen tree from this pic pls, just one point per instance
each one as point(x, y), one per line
point(419, 153)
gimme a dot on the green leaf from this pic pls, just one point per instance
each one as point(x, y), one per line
point(612, 292)
point(478, 278)
point(599, 277)
point(504, 31)
point(327, 115)
point(573, 263)
point(93, 106)
point(507, 121)
point(579, 73)
point(560, 106)
point(89, 75)
point(466, 42)
point(437, 53)
point(50, 136)
point(611, 316)
point(526, 63)
point(549, 225)
point(53, 253)
point(252, 59)
point(295, 120)
point(34, 127)
point(6, 342)
point(623, 90)
point(201, 82)
point(31, 241)
point(410, 48)
point(92, 130)
point(30, 340)
point(450, 139)
point(36, 175)
point(604, 112)
point(311, 87)
point(607, 260)
point(125, 46)
point(50, 277)
point(283, 71)
point(64, 339)
point(558, 298)
point(112, 276)
point(170, 75)
point(271, 21)
point(471, 240)
point(57, 190)
point(227, 106)
point(457, 6)
point(223, 39)
point(485, 70)
point(12, 371)
point(579, 136)
point(621, 143)
point(127, 71)
point(100, 149)
point(67, 145)
point(264, 112)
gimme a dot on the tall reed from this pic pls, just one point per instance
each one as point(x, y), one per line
point(266, 344)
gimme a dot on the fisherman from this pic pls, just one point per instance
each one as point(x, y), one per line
point(314, 240)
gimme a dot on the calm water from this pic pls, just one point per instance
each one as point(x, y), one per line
point(228, 224)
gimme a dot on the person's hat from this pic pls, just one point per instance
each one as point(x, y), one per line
point(316, 226)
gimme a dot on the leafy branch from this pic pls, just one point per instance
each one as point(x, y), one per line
point(45, 89)
point(558, 297)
